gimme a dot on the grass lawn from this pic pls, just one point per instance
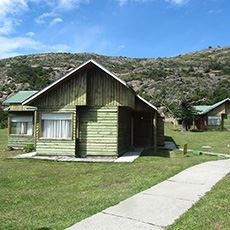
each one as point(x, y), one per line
point(38, 194)
point(211, 212)
point(217, 140)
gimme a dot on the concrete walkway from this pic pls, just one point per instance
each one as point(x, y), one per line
point(128, 157)
point(210, 153)
point(159, 206)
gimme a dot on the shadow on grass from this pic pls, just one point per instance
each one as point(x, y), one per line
point(160, 153)
point(169, 138)
point(44, 228)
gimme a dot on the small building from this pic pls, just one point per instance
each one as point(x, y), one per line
point(212, 117)
point(87, 112)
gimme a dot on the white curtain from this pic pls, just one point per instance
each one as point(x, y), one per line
point(212, 120)
point(21, 125)
point(56, 126)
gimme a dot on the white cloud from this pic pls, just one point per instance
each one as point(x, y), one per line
point(70, 4)
point(30, 34)
point(178, 2)
point(174, 2)
point(12, 46)
point(41, 19)
point(56, 21)
point(9, 10)
point(215, 11)
point(124, 2)
point(6, 27)
point(10, 13)
point(12, 7)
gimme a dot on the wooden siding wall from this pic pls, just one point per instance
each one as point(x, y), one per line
point(98, 131)
point(18, 107)
point(124, 129)
point(160, 131)
point(103, 90)
point(217, 111)
point(20, 141)
point(227, 107)
point(55, 146)
point(68, 94)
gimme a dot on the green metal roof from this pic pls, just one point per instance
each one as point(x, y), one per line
point(19, 97)
point(202, 109)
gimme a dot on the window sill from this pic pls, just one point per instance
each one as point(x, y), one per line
point(55, 139)
point(21, 135)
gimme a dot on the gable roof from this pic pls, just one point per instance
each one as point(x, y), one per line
point(203, 109)
point(19, 97)
point(70, 73)
point(78, 68)
point(148, 103)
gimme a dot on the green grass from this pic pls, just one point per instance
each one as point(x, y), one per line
point(3, 138)
point(211, 212)
point(38, 194)
point(217, 140)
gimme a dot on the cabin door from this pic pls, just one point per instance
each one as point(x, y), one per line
point(143, 133)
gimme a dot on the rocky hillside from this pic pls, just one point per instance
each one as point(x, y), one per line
point(202, 77)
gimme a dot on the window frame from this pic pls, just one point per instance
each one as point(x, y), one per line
point(218, 119)
point(55, 138)
point(18, 134)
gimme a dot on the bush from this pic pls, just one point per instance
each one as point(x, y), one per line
point(29, 148)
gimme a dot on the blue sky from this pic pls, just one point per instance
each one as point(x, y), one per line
point(133, 28)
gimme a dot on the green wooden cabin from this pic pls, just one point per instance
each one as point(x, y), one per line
point(212, 117)
point(87, 112)
point(21, 120)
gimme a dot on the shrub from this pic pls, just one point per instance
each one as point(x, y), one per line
point(29, 148)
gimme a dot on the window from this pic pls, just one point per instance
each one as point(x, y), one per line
point(214, 120)
point(57, 125)
point(21, 125)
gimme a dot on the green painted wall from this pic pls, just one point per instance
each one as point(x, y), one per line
point(19, 141)
point(103, 90)
point(68, 94)
point(98, 131)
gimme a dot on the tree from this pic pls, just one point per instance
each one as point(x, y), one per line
point(186, 112)
point(3, 117)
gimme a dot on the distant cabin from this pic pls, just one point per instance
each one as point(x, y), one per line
point(87, 112)
point(212, 117)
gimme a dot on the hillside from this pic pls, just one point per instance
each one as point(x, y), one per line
point(202, 77)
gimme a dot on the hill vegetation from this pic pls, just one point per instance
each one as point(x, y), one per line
point(200, 77)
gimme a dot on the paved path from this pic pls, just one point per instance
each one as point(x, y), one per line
point(126, 158)
point(162, 204)
point(209, 153)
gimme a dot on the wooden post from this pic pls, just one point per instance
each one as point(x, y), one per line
point(77, 132)
point(9, 124)
point(35, 128)
point(155, 131)
point(185, 149)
